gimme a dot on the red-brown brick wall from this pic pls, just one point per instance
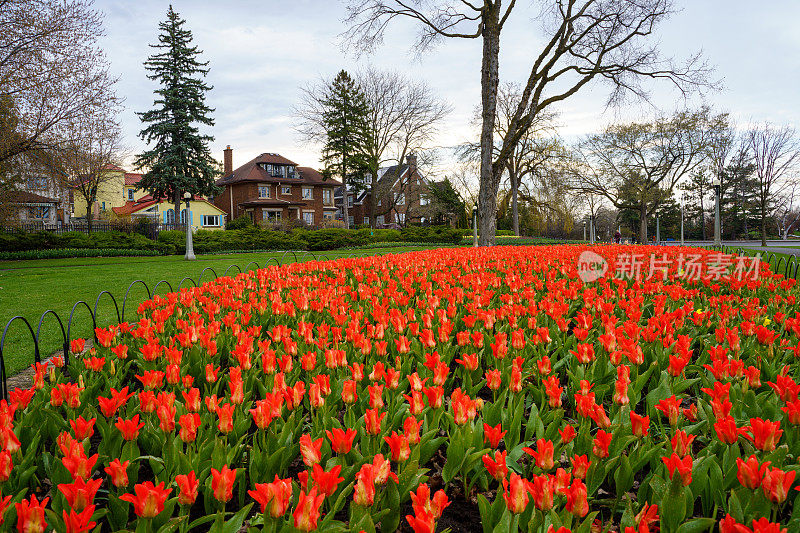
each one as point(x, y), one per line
point(244, 192)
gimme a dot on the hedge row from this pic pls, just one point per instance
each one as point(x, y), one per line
point(47, 240)
point(59, 253)
point(252, 238)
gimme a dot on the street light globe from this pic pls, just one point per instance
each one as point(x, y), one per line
point(717, 183)
point(187, 195)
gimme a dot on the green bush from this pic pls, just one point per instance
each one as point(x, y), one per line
point(239, 223)
point(443, 234)
point(46, 240)
point(59, 253)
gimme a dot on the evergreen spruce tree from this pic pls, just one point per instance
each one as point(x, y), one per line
point(346, 130)
point(179, 160)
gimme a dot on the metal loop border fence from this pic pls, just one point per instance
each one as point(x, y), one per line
point(66, 336)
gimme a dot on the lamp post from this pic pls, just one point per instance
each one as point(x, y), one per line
point(584, 230)
point(189, 248)
point(717, 238)
point(591, 229)
point(475, 227)
point(681, 201)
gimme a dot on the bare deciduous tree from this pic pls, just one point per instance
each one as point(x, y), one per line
point(608, 40)
point(404, 116)
point(91, 145)
point(775, 151)
point(636, 166)
point(52, 71)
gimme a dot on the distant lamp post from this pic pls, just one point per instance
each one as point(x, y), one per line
point(717, 238)
point(591, 229)
point(681, 201)
point(189, 247)
point(584, 230)
point(475, 227)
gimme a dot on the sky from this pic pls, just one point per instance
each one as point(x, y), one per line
point(261, 54)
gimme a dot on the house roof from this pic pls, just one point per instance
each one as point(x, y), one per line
point(310, 175)
point(132, 207)
point(148, 201)
point(253, 171)
point(113, 168)
point(132, 178)
point(25, 197)
point(384, 174)
point(271, 202)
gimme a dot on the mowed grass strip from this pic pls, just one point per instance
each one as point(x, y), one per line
point(29, 288)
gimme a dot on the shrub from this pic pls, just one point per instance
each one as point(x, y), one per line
point(239, 223)
point(443, 234)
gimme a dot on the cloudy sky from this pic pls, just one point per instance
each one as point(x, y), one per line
point(261, 52)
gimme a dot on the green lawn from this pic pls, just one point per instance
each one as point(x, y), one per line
point(29, 288)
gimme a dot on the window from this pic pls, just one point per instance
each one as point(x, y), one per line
point(272, 216)
point(39, 212)
point(37, 183)
point(401, 199)
point(423, 200)
point(308, 193)
point(290, 172)
point(366, 221)
point(401, 217)
point(210, 220)
point(327, 216)
point(104, 206)
point(286, 189)
point(130, 194)
point(327, 197)
point(379, 202)
point(351, 220)
point(263, 191)
point(379, 220)
point(350, 200)
point(308, 217)
point(183, 216)
point(170, 216)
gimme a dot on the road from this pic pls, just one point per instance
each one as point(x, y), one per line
point(789, 246)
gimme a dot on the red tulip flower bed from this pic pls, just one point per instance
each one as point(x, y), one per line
point(473, 389)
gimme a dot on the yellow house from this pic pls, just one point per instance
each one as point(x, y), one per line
point(202, 213)
point(111, 193)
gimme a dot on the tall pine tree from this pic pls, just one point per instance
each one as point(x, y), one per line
point(346, 131)
point(180, 160)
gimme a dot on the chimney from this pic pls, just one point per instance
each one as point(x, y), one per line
point(411, 159)
point(227, 161)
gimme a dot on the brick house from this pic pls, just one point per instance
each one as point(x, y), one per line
point(402, 198)
point(271, 189)
point(40, 195)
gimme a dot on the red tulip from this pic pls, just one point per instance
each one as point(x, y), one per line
point(682, 466)
point(188, 485)
point(496, 466)
point(118, 472)
point(515, 493)
point(364, 492)
point(278, 495)
point(399, 446)
point(750, 473)
point(310, 450)
point(80, 494)
point(148, 500)
point(601, 443)
point(307, 511)
point(764, 434)
point(79, 522)
point(577, 502)
point(640, 425)
point(222, 482)
point(129, 428)
point(83, 429)
point(30, 515)
point(492, 435)
point(326, 482)
point(776, 484)
point(341, 440)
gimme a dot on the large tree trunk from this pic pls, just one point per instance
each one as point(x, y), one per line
point(643, 223)
point(489, 182)
point(373, 202)
point(514, 201)
point(177, 201)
